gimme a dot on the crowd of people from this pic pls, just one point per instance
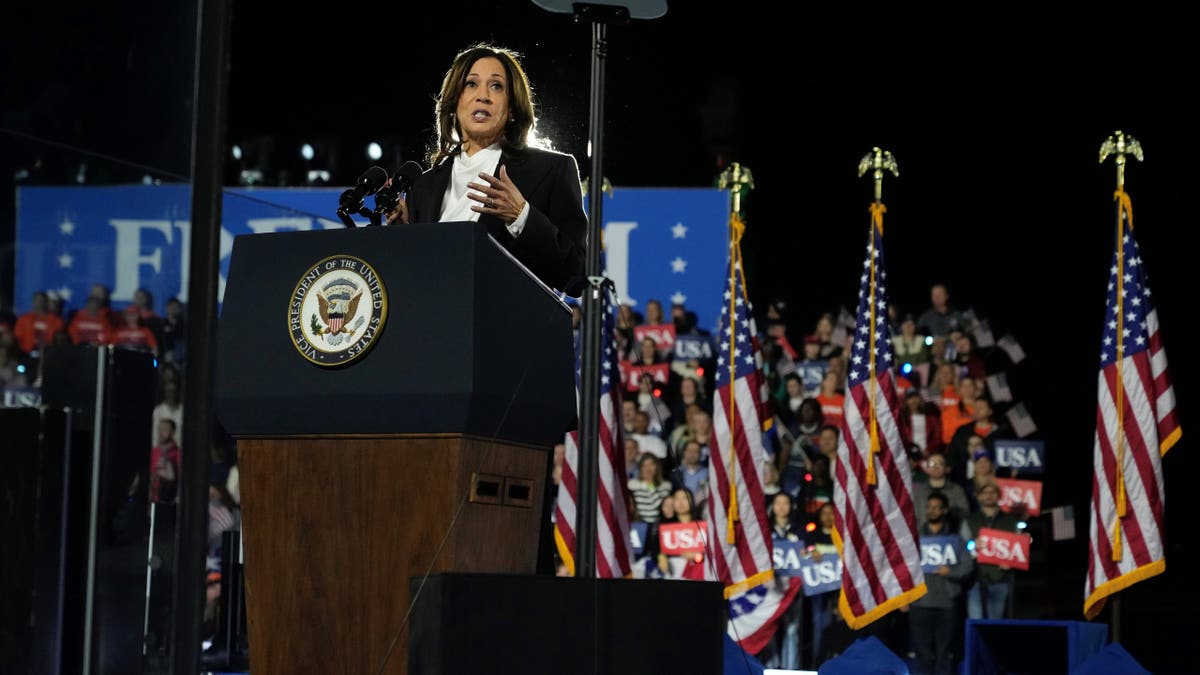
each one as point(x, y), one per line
point(666, 415)
point(949, 427)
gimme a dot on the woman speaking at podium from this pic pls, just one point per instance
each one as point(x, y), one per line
point(483, 168)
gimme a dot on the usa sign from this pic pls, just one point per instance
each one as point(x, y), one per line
point(1027, 456)
point(938, 550)
point(1020, 496)
point(662, 335)
point(682, 538)
point(821, 576)
point(632, 373)
point(997, 547)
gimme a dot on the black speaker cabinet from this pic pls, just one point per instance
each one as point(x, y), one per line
point(492, 623)
point(90, 547)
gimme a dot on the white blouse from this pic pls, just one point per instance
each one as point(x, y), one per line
point(456, 205)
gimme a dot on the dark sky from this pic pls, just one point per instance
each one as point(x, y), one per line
point(995, 118)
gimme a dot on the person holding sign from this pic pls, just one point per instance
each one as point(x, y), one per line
point(987, 598)
point(786, 643)
point(681, 542)
point(485, 168)
point(934, 618)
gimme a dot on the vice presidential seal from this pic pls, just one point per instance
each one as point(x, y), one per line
point(337, 310)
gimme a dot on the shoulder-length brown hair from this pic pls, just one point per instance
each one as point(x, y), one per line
point(520, 100)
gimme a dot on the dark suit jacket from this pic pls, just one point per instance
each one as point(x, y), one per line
point(553, 242)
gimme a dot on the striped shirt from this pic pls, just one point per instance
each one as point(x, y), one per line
point(648, 499)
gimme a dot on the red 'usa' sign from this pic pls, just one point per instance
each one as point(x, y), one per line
point(631, 373)
point(681, 538)
point(1015, 493)
point(663, 336)
point(998, 547)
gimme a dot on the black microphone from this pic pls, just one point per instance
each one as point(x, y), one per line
point(367, 184)
point(387, 198)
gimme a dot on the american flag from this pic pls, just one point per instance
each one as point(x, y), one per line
point(876, 530)
point(1062, 523)
point(737, 512)
point(1136, 423)
point(612, 515)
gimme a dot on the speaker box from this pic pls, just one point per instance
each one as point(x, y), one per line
point(492, 623)
point(90, 551)
point(18, 518)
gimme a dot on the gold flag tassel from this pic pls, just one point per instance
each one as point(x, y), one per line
point(1124, 214)
point(877, 211)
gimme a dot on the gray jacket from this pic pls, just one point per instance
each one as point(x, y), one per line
point(943, 591)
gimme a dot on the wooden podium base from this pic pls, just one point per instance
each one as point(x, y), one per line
point(334, 527)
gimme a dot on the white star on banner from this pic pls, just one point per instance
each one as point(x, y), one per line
point(65, 294)
point(66, 260)
point(66, 227)
point(678, 298)
point(678, 265)
point(679, 231)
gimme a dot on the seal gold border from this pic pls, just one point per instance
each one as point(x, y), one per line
point(383, 311)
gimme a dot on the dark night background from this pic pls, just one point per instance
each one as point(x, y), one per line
point(995, 118)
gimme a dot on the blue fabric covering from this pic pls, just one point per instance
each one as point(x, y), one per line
point(1112, 659)
point(866, 656)
point(991, 645)
point(738, 662)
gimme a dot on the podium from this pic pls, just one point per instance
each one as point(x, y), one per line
point(397, 425)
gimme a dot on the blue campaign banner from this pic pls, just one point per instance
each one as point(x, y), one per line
point(637, 537)
point(137, 236)
point(1029, 456)
point(664, 244)
point(821, 576)
point(938, 550)
point(670, 245)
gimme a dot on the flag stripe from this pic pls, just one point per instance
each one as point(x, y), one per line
point(747, 564)
point(612, 518)
point(1138, 510)
point(1148, 464)
point(1102, 543)
point(861, 561)
point(881, 517)
point(1130, 533)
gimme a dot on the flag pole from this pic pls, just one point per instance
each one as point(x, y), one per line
point(876, 161)
point(739, 181)
point(1120, 145)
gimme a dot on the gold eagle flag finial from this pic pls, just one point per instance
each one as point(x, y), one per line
point(878, 161)
point(1119, 145)
point(739, 181)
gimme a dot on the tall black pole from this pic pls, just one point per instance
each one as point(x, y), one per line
point(208, 143)
point(589, 388)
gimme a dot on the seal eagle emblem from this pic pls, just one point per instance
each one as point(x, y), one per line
point(337, 310)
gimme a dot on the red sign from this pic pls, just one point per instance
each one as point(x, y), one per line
point(681, 538)
point(631, 373)
point(998, 547)
point(663, 336)
point(1020, 496)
